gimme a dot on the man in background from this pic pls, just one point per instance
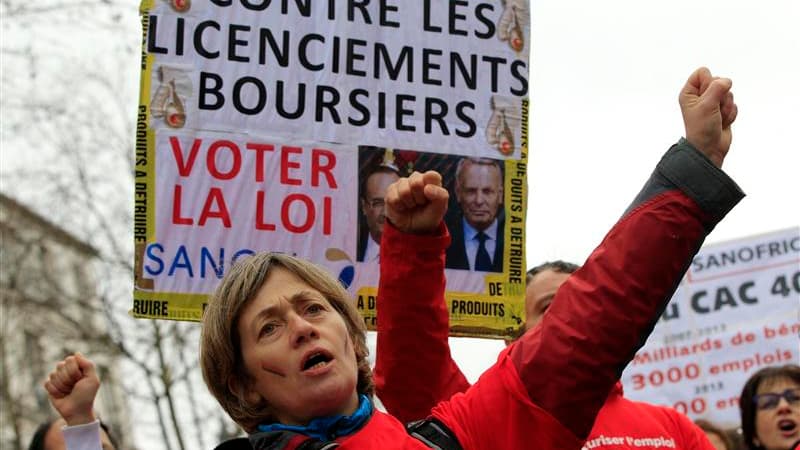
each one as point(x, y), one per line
point(72, 388)
point(619, 418)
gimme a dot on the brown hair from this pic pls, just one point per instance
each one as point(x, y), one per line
point(709, 427)
point(220, 347)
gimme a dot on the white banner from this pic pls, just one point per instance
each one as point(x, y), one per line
point(269, 125)
point(736, 311)
point(422, 75)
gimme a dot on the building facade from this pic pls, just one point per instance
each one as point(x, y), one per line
point(49, 308)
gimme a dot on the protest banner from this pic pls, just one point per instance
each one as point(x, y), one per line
point(736, 311)
point(261, 122)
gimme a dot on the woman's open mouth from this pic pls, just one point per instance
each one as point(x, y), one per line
point(315, 360)
point(788, 427)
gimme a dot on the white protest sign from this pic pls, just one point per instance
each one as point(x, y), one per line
point(261, 122)
point(736, 311)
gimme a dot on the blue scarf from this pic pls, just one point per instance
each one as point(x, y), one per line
point(329, 428)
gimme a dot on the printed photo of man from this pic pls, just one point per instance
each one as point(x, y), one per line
point(372, 192)
point(477, 233)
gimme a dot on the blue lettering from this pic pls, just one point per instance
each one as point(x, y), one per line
point(181, 261)
point(210, 260)
point(206, 256)
point(151, 255)
point(240, 253)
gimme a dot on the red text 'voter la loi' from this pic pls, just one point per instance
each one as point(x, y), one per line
point(319, 174)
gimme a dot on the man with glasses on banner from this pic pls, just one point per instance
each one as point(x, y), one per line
point(371, 201)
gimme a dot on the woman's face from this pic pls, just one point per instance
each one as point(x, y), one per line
point(297, 351)
point(778, 423)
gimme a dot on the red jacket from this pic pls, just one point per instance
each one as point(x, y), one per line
point(620, 423)
point(547, 388)
point(626, 424)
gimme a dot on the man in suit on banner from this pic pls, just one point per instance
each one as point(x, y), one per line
point(371, 202)
point(477, 235)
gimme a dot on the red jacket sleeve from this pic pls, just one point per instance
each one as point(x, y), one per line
point(414, 369)
point(604, 312)
point(568, 364)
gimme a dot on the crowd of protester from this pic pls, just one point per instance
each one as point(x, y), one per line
point(283, 348)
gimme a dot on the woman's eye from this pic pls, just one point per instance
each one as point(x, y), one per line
point(267, 329)
point(314, 309)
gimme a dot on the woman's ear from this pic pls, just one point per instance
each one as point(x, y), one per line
point(244, 392)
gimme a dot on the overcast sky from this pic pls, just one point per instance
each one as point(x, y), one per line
point(605, 78)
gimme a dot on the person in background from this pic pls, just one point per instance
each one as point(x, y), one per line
point(72, 388)
point(619, 418)
point(770, 408)
point(409, 380)
point(49, 436)
point(541, 284)
point(718, 438)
